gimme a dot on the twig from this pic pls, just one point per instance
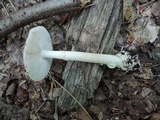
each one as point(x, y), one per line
point(40, 106)
point(12, 5)
point(36, 12)
point(3, 74)
point(50, 94)
point(4, 8)
point(146, 4)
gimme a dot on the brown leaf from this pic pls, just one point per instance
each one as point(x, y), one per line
point(145, 92)
point(80, 114)
point(22, 94)
point(3, 85)
point(131, 81)
point(100, 116)
point(156, 8)
point(155, 116)
point(95, 109)
point(11, 89)
point(147, 73)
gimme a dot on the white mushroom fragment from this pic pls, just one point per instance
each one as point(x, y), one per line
point(38, 54)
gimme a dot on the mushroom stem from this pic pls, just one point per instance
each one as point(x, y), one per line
point(38, 56)
point(111, 61)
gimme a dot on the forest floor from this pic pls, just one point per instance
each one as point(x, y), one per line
point(119, 96)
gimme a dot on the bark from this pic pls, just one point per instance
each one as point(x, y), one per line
point(34, 13)
point(94, 30)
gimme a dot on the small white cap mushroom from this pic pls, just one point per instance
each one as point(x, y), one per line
point(38, 54)
point(36, 66)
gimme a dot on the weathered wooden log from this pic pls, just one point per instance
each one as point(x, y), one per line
point(94, 30)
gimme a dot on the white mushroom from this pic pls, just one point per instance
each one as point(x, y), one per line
point(38, 54)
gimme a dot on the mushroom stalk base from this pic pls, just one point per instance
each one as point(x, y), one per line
point(111, 61)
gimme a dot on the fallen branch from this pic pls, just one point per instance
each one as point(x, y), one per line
point(34, 13)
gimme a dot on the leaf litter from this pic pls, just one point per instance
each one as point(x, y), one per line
point(133, 95)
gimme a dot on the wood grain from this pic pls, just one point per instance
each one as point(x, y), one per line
point(93, 30)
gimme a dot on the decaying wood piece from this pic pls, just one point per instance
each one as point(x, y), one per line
point(34, 13)
point(94, 30)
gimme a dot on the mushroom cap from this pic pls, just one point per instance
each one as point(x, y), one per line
point(36, 66)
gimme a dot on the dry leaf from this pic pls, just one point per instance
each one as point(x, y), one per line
point(57, 92)
point(145, 92)
point(147, 73)
point(132, 82)
point(156, 8)
point(100, 116)
point(153, 29)
point(129, 12)
point(155, 116)
point(80, 114)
